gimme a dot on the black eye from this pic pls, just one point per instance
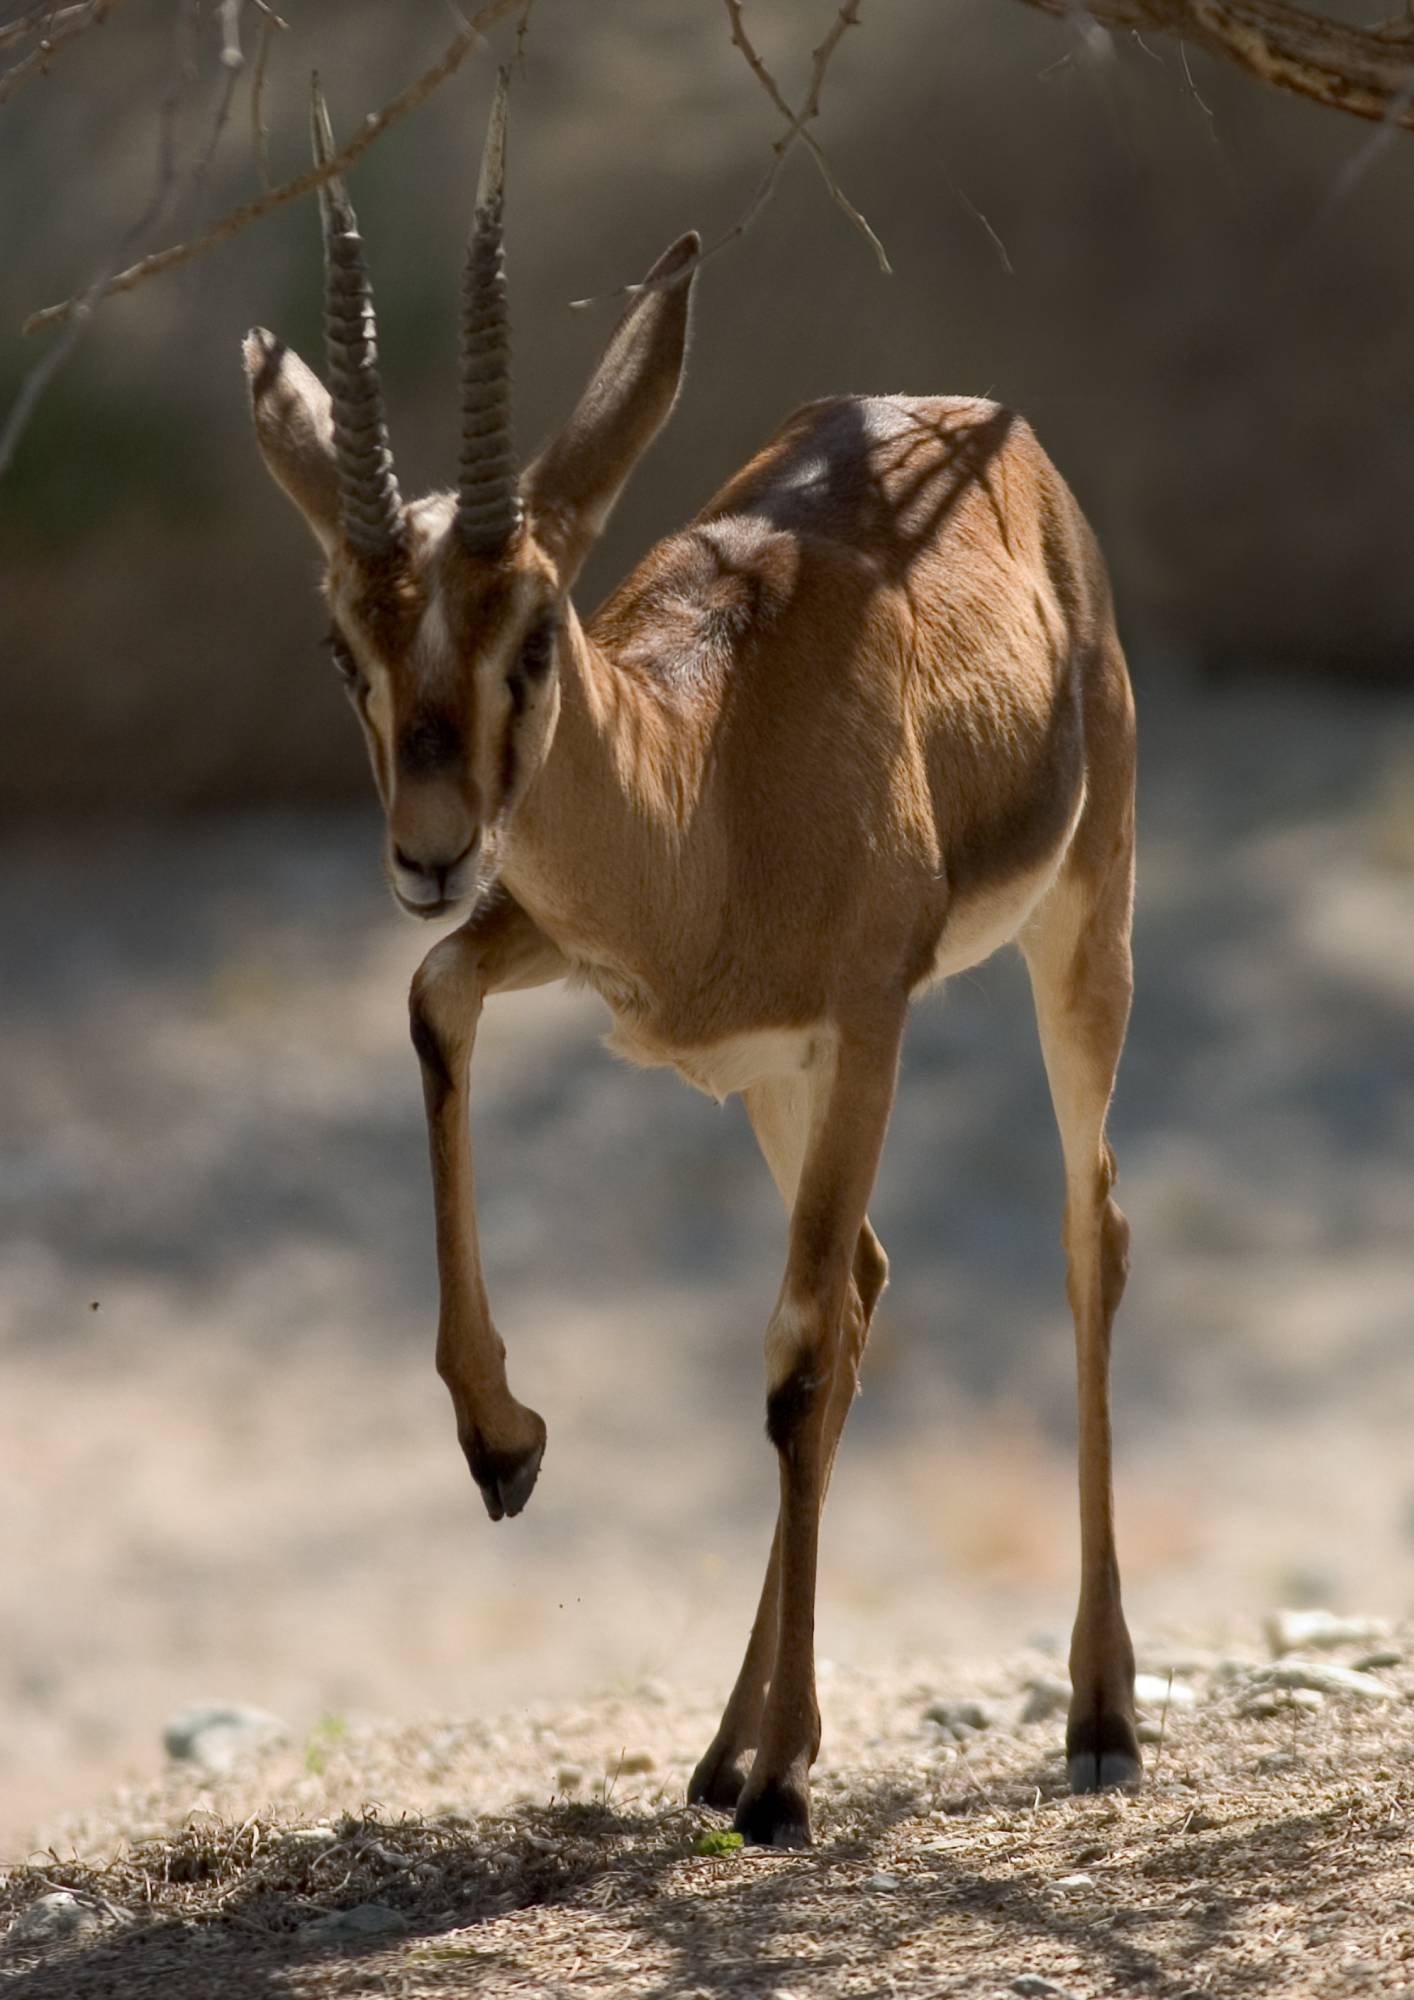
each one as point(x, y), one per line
point(345, 665)
point(537, 650)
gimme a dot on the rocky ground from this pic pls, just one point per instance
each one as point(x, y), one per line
point(549, 1852)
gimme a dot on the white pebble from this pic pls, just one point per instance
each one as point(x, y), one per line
point(1157, 1691)
point(52, 1918)
point(364, 1920)
point(1289, 1631)
point(217, 1734)
point(1324, 1677)
point(1045, 1697)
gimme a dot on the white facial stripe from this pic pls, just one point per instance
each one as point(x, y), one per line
point(493, 668)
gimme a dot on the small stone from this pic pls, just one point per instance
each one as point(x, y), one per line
point(1046, 1696)
point(1231, 1667)
point(1323, 1677)
point(1383, 1656)
point(1306, 1698)
point(1257, 1707)
point(884, 1881)
point(1072, 1882)
point(635, 1762)
point(1278, 1760)
point(1034, 1987)
point(217, 1734)
point(1147, 1731)
point(966, 1715)
point(50, 1919)
point(362, 1921)
point(1288, 1631)
point(1158, 1691)
point(569, 1778)
point(311, 1836)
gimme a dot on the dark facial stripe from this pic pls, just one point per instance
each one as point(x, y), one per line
point(537, 650)
point(508, 761)
point(430, 744)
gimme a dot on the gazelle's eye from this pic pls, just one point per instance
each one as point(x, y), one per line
point(537, 650)
point(345, 665)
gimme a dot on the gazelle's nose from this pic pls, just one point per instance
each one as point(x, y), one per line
point(431, 880)
point(434, 867)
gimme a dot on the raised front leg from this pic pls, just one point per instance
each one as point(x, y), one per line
point(809, 1382)
point(497, 950)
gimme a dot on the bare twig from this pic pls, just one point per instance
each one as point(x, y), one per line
point(229, 15)
point(241, 217)
point(969, 204)
point(259, 133)
point(55, 26)
point(847, 17)
point(39, 377)
point(796, 121)
point(1364, 71)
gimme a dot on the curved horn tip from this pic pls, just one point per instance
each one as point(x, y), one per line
point(491, 181)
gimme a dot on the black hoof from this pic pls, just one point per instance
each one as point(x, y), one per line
point(718, 1780)
point(1102, 1754)
point(506, 1478)
point(778, 1815)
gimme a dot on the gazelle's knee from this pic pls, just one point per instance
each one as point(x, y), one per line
point(442, 1004)
point(798, 1359)
point(1096, 1237)
point(1114, 1255)
point(871, 1271)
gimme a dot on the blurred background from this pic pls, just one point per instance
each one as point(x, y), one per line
point(226, 1467)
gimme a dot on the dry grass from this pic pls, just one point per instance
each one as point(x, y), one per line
point(1266, 1856)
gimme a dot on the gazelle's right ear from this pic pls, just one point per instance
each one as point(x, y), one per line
point(575, 481)
point(294, 423)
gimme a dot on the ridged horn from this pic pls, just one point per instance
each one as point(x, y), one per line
point(488, 498)
point(370, 507)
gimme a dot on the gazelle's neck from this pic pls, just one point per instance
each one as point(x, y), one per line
point(607, 813)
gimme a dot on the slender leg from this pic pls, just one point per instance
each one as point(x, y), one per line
point(498, 949)
point(810, 1381)
point(721, 1774)
point(1077, 952)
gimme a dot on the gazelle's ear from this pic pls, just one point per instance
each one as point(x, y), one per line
point(572, 485)
point(295, 426)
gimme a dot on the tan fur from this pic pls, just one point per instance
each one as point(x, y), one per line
point(861, 722)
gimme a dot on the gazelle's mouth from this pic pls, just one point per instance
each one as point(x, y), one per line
point(441, 907)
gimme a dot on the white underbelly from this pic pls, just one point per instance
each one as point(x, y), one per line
point(985, 922)
point(723, 1068)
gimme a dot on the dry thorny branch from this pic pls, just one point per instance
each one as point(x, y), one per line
point(1368, 72)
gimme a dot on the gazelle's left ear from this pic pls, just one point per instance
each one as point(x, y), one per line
point(575, 481)
point(294, 424)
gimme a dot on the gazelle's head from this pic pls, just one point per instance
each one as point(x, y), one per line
point(449, 614)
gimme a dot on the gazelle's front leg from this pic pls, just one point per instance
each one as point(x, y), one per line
point(720, 1776)
point(496, 950)
point(804, 1360)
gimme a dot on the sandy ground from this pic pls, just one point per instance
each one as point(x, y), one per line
point(536, 1855)
point(226, 1466)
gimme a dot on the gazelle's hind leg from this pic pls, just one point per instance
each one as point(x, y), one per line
point(779, 1113)
point(1077, 952)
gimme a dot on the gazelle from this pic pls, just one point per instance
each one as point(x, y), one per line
point(860, 723)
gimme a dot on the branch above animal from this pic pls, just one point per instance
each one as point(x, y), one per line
point(860, 723)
